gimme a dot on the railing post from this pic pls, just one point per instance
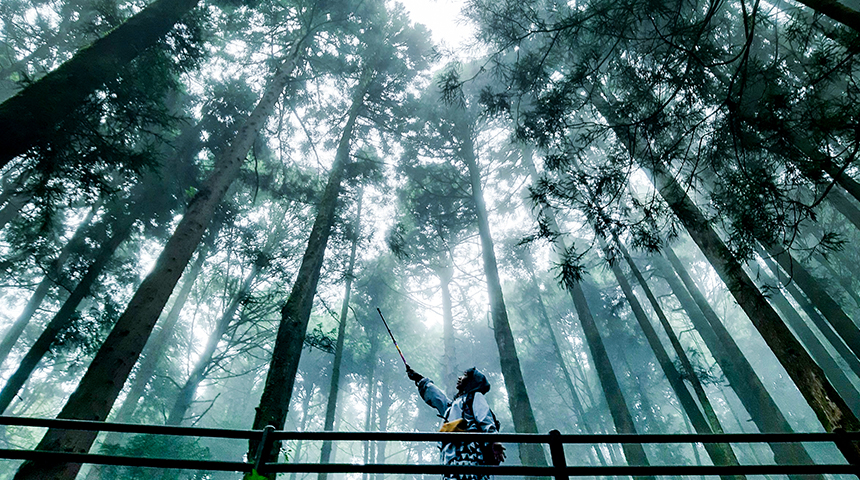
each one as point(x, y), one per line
point(263, 447)
point(556, 453)
point(848, 449)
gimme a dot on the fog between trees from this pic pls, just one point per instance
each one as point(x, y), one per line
point(634, 217)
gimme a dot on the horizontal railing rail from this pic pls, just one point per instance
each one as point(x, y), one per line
point(846, 442)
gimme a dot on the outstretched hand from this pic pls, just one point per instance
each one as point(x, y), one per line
point(413, 375)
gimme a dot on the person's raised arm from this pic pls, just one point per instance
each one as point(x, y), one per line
point(430, 393)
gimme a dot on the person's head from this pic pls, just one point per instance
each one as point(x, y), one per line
point(472, 380)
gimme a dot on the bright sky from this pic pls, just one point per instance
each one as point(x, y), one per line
point(442, 17)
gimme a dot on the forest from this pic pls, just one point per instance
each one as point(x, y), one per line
point(634, 216)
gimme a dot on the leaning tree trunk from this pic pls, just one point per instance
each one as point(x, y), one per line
point(201, 367)
point(843, 205)
point(152, 354)
point(843, 280)
point(618, 409)
point(819, 297)
point(334, 386)
point(51, 276)
point(64, 317)
point(825, 401)
point(686, 365)
point(720, 453)
point(153, 351)
point(103, 381)
point(578, 408)
point(752, 393)
point(12, 208)
point(28, 117)
point(810, 341)
point(820, 322)
point(275, 400)
point(518, 398)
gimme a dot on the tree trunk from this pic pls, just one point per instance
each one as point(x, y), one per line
point(825, 401)
point(819, 297)
point(152, 354)
point(689, 371)
point(578, 408)
point(720, 453)
point(810, 341)
point(836, 11)
point(334, 386)
point(70, 21)
point(275, 400)
point(34, 112)
point(843, 280)
point(306, 404)
point(371, 399)
point(618, 408)
point(385, 402)
point(843, 205)
point(103, 381)
point(823, 326)
point(14, 332)
point(518, 398)
point(63, 318)
point(740, 374)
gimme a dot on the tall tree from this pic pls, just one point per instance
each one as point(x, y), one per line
point(111, 366)
point(452, 129)
point(65, 316)
point(386, 47)
point(721, 453)
point(747, 385)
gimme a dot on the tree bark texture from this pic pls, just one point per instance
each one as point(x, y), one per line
point(103, 381)
point(27, 117)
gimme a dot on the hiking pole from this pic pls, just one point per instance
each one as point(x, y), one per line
point(392, 336)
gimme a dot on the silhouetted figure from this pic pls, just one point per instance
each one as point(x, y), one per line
point(468, 412)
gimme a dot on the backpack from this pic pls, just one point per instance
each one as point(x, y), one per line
point(461, 425)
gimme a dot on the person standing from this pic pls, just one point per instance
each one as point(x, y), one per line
point(468, 412)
